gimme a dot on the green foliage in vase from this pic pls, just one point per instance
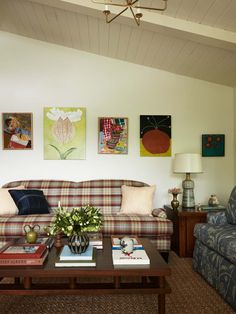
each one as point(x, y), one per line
point(75, 221)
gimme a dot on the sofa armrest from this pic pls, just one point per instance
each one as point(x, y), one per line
point(216, 218)
point(159, 212)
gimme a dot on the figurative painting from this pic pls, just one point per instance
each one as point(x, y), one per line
point(64, 133)
point(155, 135)
point(17, 131)
point(213, 145)
point(113, 135)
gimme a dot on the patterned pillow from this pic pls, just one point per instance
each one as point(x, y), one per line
point(230, 211)
point(30, 201)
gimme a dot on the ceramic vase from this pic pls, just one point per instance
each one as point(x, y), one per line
point(175, 202)
point(78, 243)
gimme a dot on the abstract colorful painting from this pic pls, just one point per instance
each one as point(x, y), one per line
point(155, 135)
point(64, 133)
point(213, 145)
point(17, 131)
point(113, 135)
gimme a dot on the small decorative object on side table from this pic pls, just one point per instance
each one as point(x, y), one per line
point(175, 202)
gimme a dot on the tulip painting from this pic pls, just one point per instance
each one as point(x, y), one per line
point(64, 133)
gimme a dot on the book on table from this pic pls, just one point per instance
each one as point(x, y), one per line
point(137, 257)
point(67, 255)
point(96, 240)
point(24, 251)
point(115, 241)
point(24, 261)
point(48, 241)
point(77, 262)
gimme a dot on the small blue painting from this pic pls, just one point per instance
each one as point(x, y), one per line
point(213, 145)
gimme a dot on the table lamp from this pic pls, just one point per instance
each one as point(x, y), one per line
point(187, 163)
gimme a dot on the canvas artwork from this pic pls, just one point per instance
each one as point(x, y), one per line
point(64, 133)
point(155, 135)
point(213, 145)
point(113, 136)
point(17, 131)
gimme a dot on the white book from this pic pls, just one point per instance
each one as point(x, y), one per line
point(138, 257)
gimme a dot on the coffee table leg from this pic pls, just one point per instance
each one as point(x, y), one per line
point(27, 281)
point(161, 297)
point(72, 283)
point(161, 304)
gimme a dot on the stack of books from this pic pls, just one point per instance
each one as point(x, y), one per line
point(137, 257)
point(48, 241)
point(95, 239)
point(13, 254)
point(69, 259)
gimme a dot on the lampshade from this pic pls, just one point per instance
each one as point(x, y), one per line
point(187, 163)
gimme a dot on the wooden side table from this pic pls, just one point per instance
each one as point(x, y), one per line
point(183, 241)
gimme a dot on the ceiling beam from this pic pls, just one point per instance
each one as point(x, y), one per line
point(156, 22)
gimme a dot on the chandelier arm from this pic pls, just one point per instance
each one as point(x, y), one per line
point(109, 21)
point(135, 18)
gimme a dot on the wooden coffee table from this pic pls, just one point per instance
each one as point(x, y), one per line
point(151, 278)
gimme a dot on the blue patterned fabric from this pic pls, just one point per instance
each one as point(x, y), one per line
point(220, 238)
point(214, 255)
point(218, 271)
point(231, 208)
point(216, 218)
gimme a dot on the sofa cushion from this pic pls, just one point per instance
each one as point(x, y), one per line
point(7, 205)
point(231, 208)
point(30, 201)
point(137, 200)
point(220, 238)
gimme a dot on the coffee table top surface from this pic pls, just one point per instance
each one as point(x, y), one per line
point(104, 265)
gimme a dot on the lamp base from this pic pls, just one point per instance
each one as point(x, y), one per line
point(188, 194)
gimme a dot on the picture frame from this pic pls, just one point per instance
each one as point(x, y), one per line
point(17, 130)
point(64, 133)
point(213, 145)
point(112, 135)
point(155, 136)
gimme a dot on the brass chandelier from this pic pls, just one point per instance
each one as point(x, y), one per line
point(134, 6)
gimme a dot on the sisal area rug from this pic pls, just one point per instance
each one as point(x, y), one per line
point(190, 295)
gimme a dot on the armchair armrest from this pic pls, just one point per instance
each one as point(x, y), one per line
point(159, 212)
point(217, 218)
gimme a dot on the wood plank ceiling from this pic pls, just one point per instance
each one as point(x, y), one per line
point(196, 38)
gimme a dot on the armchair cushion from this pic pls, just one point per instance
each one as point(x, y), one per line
point(216, 218)
point(231, 208)
point(220, 238)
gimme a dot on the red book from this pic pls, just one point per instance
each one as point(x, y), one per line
point(25, 251)
point(24, 261)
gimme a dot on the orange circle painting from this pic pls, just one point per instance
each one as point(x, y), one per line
point(155, 135)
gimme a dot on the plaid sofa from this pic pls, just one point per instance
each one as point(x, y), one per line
point(104, 194)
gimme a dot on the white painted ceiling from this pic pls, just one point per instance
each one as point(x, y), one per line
point(196, 38)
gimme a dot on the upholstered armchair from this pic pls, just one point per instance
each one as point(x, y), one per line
point(214, 254)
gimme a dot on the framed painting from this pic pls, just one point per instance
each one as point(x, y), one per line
point(213, 145)
point(113, 135)
point(155, 135)
point(17, 130)
point(64, 133)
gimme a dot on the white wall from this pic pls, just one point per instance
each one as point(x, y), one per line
point(34, 74)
